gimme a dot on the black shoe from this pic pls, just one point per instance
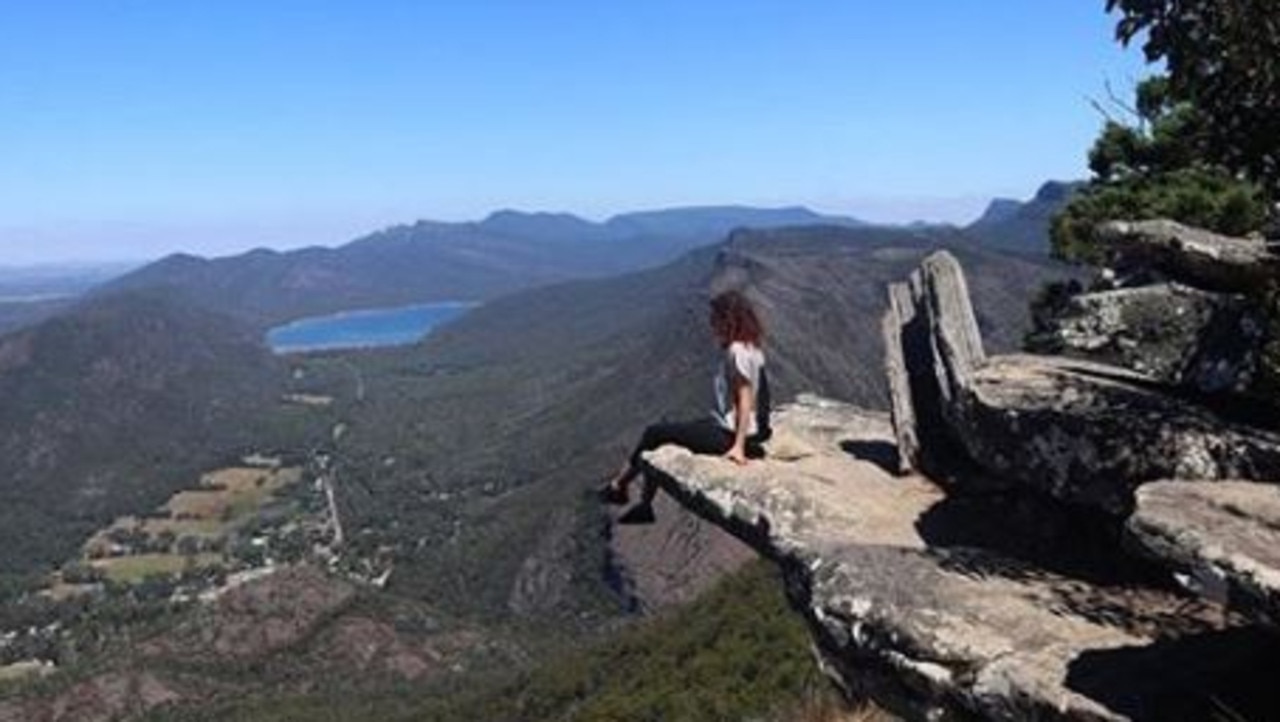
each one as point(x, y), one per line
point(641, 513)
point(610, 494)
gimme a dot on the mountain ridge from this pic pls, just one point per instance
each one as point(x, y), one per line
point(1023, 226)
point(508, 250)
point(429, 260)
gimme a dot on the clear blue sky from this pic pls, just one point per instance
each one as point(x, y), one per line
point(130, 128)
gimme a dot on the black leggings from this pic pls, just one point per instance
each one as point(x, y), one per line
point(704, 436)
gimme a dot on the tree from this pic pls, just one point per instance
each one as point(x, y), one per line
point(1223, 58)
point(1203, 142)
point(189, 546)
point(1153, 167)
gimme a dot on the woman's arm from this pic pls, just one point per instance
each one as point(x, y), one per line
point(744, 405)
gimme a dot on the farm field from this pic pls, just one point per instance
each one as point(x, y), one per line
point(194, 529)
point(23, 670)
point(136, 568)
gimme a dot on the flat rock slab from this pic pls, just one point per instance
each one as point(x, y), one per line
point(964, 631)
point(1224, 535)
point(810, 512)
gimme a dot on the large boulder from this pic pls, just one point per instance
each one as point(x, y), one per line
point(1193, 256)
point(934, 346)
point(1089, 433)
point(1176, 334)
point(1083, 432)
point(1224, 537)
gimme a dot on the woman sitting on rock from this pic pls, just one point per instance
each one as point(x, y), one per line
point(740, 422)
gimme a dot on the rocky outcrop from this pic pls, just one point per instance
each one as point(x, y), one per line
point(1207, 331)
point(1224, 537)
point(973, 590)
point(933, 347)
point(1082, 432)
point(1091, 434)
point(939, 614)
point(1191, 255)
point(1173, 333)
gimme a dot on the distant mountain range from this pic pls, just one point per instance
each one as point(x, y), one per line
point(433, 261)
point(29, 294)
point(507, 251)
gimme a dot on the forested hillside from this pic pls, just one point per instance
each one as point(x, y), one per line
point(110, 407)
point(462, 466)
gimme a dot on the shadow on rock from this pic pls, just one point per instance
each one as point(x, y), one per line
point(1223, 675)
point(1038, 531)
point(883, 454)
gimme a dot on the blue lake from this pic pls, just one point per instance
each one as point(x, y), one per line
point(365, 328)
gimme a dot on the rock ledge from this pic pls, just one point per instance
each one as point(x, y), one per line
point(932, 631)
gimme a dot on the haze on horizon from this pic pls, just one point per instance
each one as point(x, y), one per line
point(134, 129)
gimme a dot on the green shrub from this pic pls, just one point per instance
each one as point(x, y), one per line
point(1199, 196)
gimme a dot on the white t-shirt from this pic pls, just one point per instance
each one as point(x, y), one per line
point(744, 360)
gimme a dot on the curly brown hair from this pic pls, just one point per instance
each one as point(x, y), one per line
point(734, 318)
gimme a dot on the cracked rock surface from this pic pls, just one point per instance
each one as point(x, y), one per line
point(1224, 536)
point(1089, 433)
point(928, 626)
point(1175, 334)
